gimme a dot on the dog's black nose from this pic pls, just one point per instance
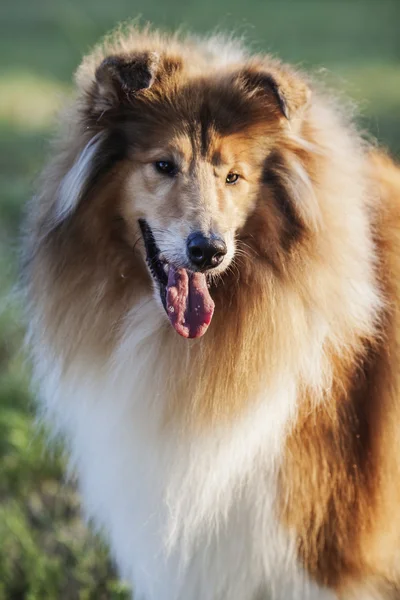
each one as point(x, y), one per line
point(205, 252)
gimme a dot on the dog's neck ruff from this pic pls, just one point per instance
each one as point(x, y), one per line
point(172, 500)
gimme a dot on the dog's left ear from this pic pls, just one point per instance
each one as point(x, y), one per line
point(285, 91)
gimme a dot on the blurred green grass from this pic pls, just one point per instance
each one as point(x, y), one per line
point(46, 552)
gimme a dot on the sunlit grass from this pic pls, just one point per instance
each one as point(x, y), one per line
point(374, 86)
point(29, 101)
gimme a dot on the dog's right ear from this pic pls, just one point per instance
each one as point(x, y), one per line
point(118, 78)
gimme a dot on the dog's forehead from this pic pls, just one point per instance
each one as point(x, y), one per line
point(220, 126)
point(217, 149)
point(195, 122)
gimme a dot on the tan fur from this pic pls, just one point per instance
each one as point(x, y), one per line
point(316, 219)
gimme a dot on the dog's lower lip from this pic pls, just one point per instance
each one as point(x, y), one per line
point(155, 261)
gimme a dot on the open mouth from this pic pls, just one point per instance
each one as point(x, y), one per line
point(184, 294)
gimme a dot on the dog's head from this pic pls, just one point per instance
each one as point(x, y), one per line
point(198, 158)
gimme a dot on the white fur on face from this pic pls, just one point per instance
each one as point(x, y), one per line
point(172, 242)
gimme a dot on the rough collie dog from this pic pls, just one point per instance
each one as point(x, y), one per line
point(212, 269)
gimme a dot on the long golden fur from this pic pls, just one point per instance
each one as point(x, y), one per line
point(311, 289)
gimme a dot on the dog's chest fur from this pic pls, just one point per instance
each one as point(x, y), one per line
point(187, 514)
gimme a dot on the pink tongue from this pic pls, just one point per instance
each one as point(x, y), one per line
point(189, 304)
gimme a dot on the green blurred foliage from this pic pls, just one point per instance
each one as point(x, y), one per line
point(46, 552)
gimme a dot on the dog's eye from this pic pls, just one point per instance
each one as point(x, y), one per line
point(232, 178)
point(166, 167)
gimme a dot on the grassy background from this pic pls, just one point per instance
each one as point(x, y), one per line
point(45, 550)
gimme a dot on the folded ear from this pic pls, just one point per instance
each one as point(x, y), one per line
point(289, 94)
point(120, 77)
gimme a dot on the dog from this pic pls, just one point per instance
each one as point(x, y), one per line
point(212, 283)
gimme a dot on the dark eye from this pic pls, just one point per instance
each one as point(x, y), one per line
point(166, 167)
point(232, 178)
